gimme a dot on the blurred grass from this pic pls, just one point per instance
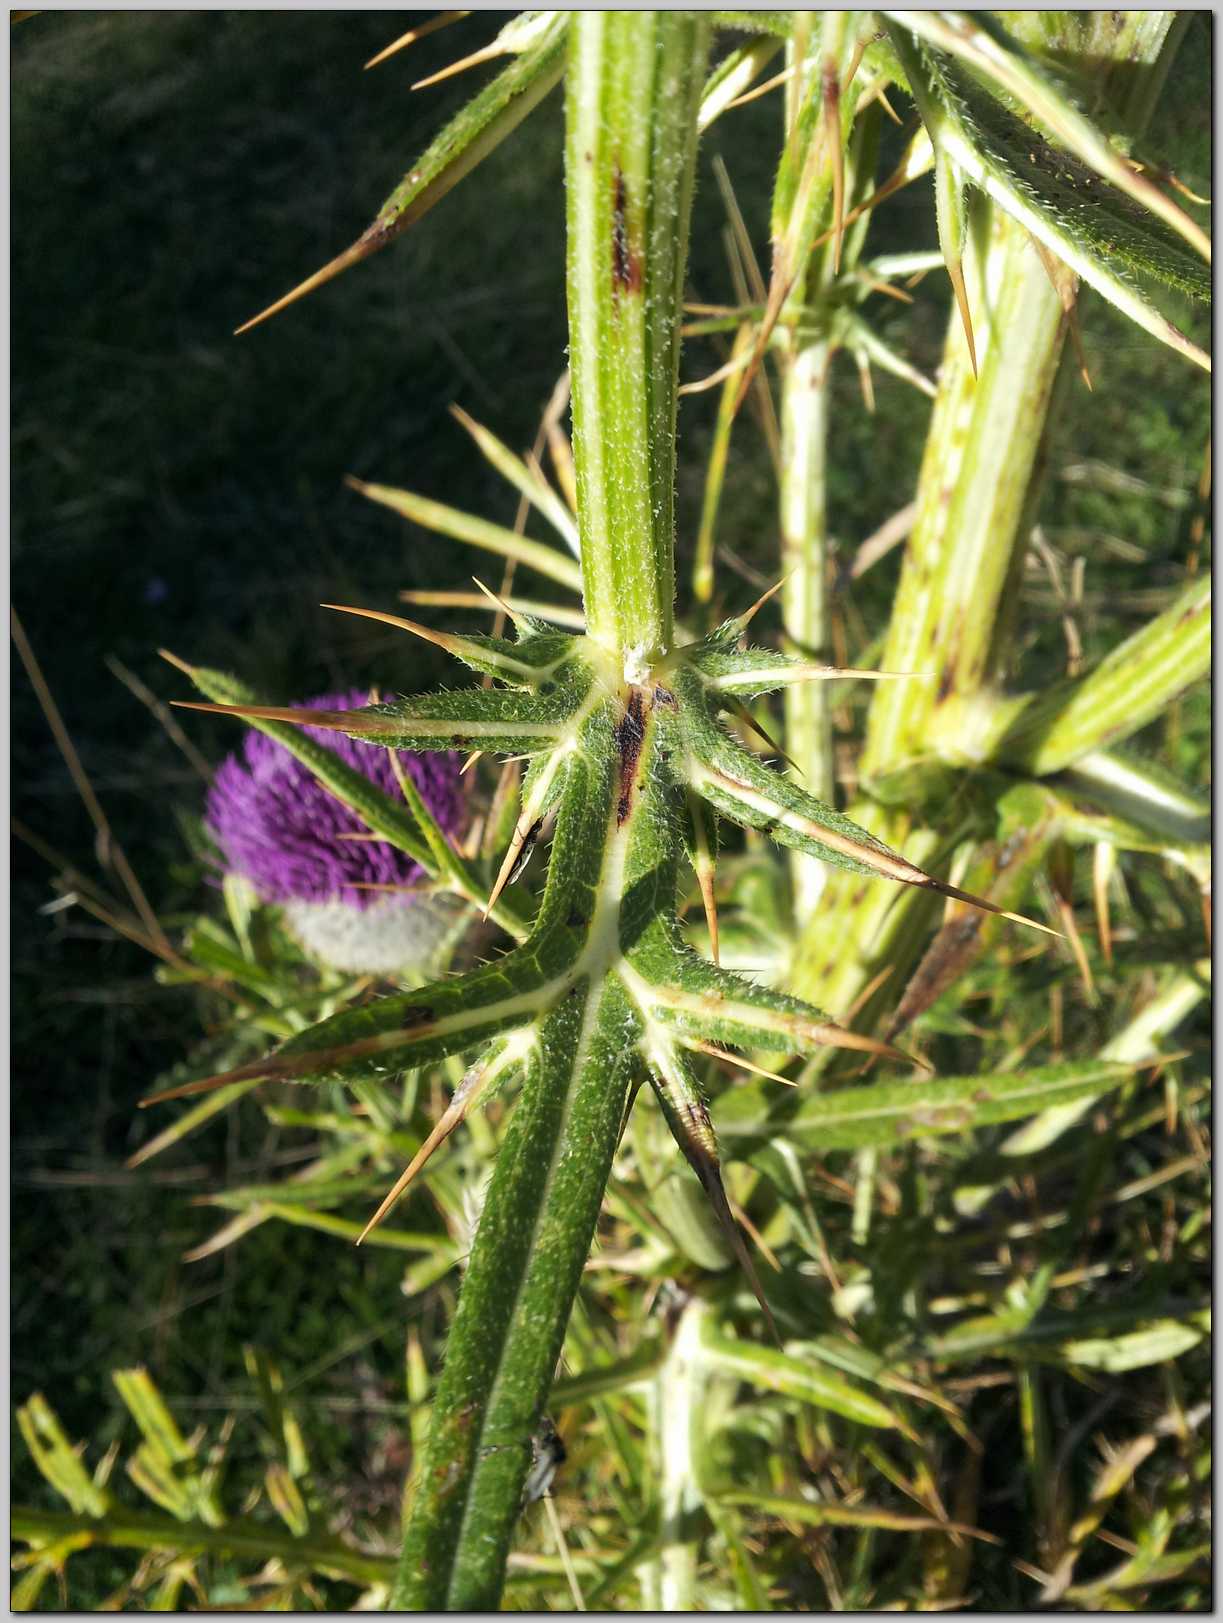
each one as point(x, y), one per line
point(172, 486)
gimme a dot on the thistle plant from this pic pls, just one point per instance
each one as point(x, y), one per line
point(642, 738)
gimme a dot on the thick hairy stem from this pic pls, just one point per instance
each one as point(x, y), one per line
point(1129, 688)
point(532, 1240)
point(634, 83)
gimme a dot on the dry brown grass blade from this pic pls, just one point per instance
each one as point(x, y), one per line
point(110, 852)
point(161, 711)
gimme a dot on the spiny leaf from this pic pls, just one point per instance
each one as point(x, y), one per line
point(470, 136)
point(1093, 228)
point(980, 41)
point(494, 720)
point(755, 671)
point(381, 1038)
point(745, 791)
point(890, 1112)
point(699, 999)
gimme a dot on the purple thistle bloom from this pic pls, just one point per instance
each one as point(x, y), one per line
point(278, 826)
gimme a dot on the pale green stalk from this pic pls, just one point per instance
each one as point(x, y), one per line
point(676, 1425)
point(972, 497)
point(822, 46)
point(1129, 688)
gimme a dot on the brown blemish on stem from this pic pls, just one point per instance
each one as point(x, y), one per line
point(629, 735)
point(627, 272)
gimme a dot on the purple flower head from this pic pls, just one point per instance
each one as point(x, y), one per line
point(278, 826)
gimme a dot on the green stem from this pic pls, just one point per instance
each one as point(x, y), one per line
point(675, 1406)
point(532, 1241)
point(804, 359)
point(122, 1529)
point(634, 84)
point(972, 497)
point(1129, 688)
point(804, 563)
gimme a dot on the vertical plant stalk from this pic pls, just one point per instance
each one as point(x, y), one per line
point(804, 355)
point(675, 1410)
point(804, 564)
point(633, 85)
point(973, 494)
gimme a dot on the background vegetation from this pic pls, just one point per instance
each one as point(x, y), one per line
point(173, 486)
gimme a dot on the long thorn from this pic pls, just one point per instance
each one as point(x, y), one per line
point(367, 243)
point(337, 721)
point(485, 54)
point(709, 901)
point(746, 619)
point(442, 20)
point(500, 602)
point(438, 638)
point(739, 709)
point(956, 272)
point(737, 1059)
